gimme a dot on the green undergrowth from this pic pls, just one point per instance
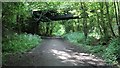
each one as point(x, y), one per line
point(109, 52)
point(18, 43)
point(112, 52)
point(74, 37)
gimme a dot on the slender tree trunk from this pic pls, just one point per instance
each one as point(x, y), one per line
point(109, 19)
point(85, 27)
point(47, 28)
point(103, 22)
point(118, 18)
point(51, 28)
point(18, 23)
point(99, 24)
point(37, 28)
point(73, 26)
point(117, 21)
point(78, 26)
point(84, 21)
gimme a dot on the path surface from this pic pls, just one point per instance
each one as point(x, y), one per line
point(54, 52)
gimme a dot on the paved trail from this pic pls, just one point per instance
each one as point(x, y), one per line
point(55, 52)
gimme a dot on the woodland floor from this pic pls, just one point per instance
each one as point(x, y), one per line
point(55, 52)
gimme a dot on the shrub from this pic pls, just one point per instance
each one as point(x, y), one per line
point(112, 52)
point(99, 49)
point(91, 41)
point(20, 43)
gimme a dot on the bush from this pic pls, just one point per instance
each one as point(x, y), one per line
point(91, 41)
point(99, 49)
point(112, 52)
point(20, 43)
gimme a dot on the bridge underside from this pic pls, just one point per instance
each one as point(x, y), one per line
point(46, 16)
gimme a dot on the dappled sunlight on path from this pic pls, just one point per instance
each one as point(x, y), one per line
point(77, 58)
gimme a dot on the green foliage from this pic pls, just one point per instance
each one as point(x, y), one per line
point(20, 43)
point(75, 37)
point(14, 15)
point(99, 49)
point(112, 52)
point(58, 30)
point(90, 41)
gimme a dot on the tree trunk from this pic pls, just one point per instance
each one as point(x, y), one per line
point(36, 27)
point(108, 17)
point(18, 24)
point(99, 24)
point(85, 30)
point(103, 22)
point(118, 18)
point(47, 28)
point(117, 21)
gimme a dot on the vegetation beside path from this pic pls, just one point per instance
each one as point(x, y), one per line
point(19, 43)
point(110, 52)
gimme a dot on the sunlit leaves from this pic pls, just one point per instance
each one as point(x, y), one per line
point(58, 29)
point(75, 37)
